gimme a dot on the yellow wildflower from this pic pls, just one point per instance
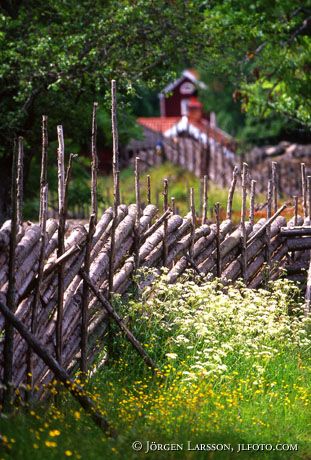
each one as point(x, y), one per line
point(51, 444)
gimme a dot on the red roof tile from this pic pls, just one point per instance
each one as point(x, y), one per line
point(162, 124)
point(158, 124)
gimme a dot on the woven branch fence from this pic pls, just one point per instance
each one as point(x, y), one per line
point(56, 279)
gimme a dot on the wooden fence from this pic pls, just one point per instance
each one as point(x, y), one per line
point(211, 158)
point(57, 280)
point(217, 160)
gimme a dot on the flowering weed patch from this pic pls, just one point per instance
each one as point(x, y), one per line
point(237, 371)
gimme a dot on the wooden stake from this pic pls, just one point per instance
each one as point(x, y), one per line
point(85, 298)
point(218, 259)
point(148, 190)
point(63, 185)
point(252, 203)
point(243, 217)
point(274, 187)
point(115, 141)
point(94, 203)
point(231, 192)
point(201, 196)
point(113, 232)
point(295, 210)
point(20, 180)
point(268, 227)
point(304, 189)
point(60, 373)
point(138, 212)
point(205, 200)
point(173, 205)
point(11, 295)
point(193, 222)
point(44, 168)
point(165, 207)
point(118, 320)
point(39, 279)
point(309, 197)
point(61, 167)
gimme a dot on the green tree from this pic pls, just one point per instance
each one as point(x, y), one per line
point(263, 48)
point(57, 57)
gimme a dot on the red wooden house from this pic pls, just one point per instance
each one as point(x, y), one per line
point(175, 97)
point(182, 114)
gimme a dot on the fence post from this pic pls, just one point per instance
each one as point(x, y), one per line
point(205, 200)
point(231, 192)
point(20, 180)
point(148, 189)
point(268, 229)
point(304, 189)
point(218, 260)
point(8, 348)
point(165, 207)
point(274, 186)
point(242, 224)
point(252, 203)
point(138, 212)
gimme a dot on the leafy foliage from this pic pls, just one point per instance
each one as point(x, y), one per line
point(264, 48)
point(57, 53)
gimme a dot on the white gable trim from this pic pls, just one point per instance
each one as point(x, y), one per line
point(183, 125)
point(185, 74)
point(172, 85)
point(190, 76)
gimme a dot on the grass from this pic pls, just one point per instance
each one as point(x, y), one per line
point(237, 371)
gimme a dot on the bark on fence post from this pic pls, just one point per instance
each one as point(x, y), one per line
point(192, 209)
point(61, 244)
point(295, 210)
point(115, 172)
point(11, 301)
point(85, 298)
point(165, 207)
point(148, 190)
point(89, 240)
point(44, 168)
point(94, 170)
point(43, 211)
point(201, 195)
point(20, 180)
point(268, 229)
point(218, 259)
point(205, 200)
point(304, 189)
point(173, 203)
point(252, 203)
point(115, 140)
point(274, 187)
point(138, 213)
point(208, 159)
point(231, 192)
point(242, 224)
point(36, 297)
